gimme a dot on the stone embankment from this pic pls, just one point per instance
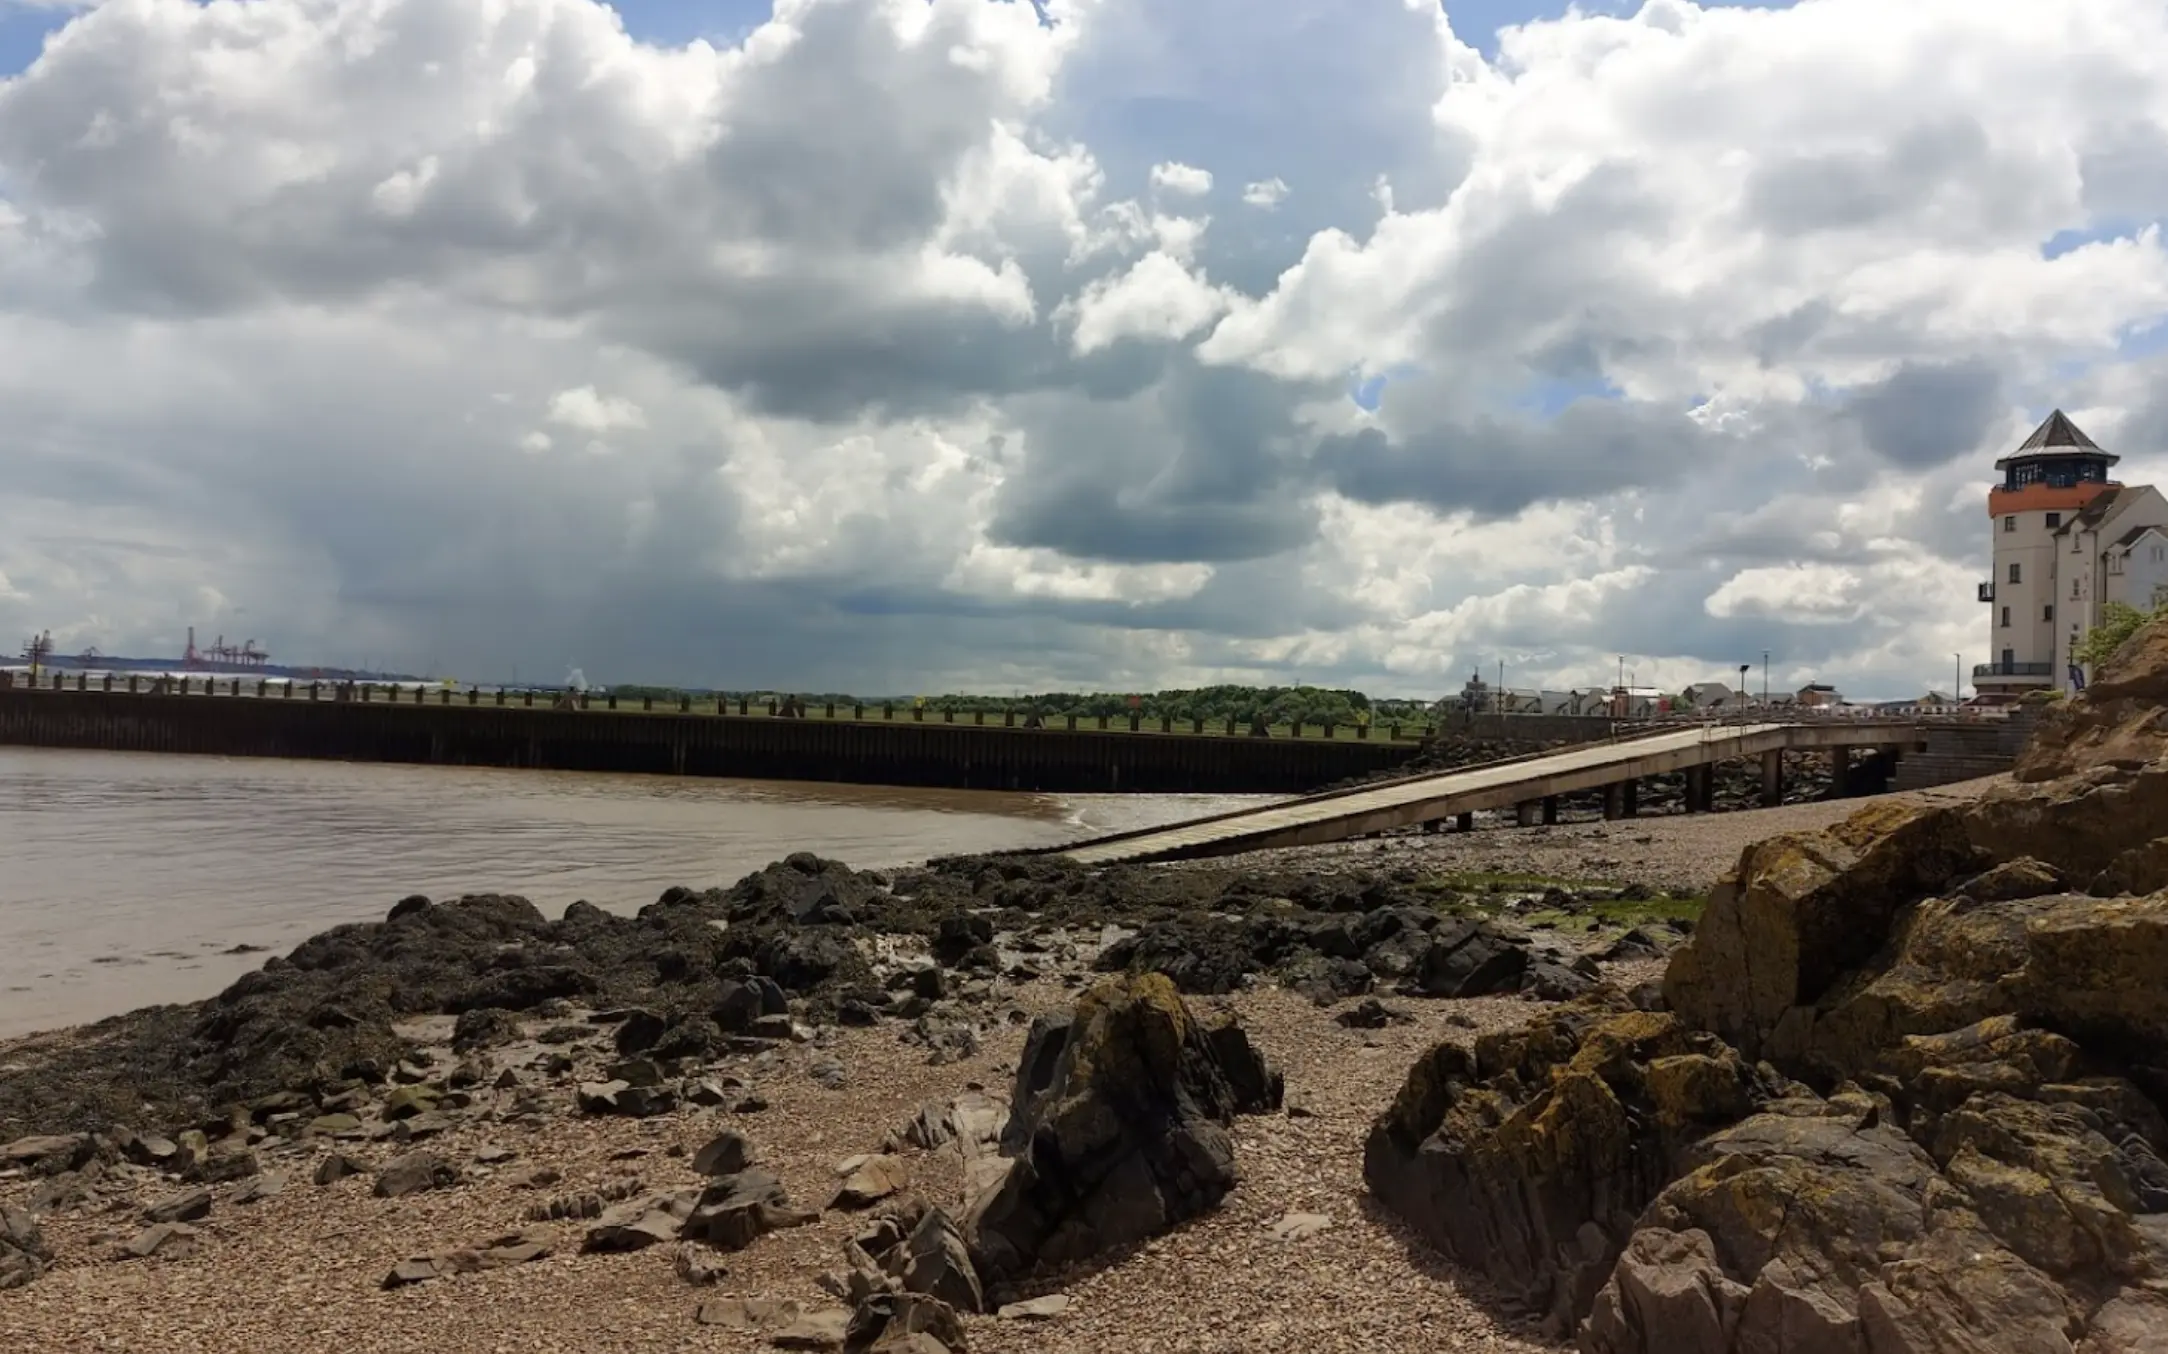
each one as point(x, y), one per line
point(1901, 1092)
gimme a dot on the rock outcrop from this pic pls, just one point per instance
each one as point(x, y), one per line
point(1118, 1131)
point(1906, 1097)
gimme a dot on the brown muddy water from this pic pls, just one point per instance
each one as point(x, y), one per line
point(132, 879)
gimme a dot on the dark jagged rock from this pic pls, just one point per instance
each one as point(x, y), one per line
point(484, 1027)
point(414, 1173)
point(956, 936)
point(903, 1323)
point(1468, 958)
point(737, 1210)
point(23, 1252)
point(1119, 1130)
point(636, 1224)
point(1257, 1085)
point(1371, 1014)
point(802, 890)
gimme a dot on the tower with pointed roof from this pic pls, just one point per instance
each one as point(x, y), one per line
point(2065, 535)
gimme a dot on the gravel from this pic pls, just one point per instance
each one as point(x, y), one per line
point(1685, 853)
point(301, 1270)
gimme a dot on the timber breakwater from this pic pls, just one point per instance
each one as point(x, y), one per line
point(857, 745)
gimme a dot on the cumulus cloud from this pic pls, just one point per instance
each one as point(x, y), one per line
point(1172, 177)
point(1682, 335)
point(581, 407)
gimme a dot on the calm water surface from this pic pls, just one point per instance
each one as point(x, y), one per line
point(126, 878)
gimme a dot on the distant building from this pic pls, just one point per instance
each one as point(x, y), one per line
point(1712, 696)
point(1819, 695)
point(2068, 541)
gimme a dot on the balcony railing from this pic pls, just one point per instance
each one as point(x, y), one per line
point(1987, 592)
point(2013, 670)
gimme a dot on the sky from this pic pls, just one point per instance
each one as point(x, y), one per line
point(894, 345)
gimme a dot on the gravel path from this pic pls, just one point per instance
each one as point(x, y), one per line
point(1681, 852)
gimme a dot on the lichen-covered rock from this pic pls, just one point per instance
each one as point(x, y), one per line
point(2080, 823)
point(1823, 1228)
point(1802, 910)
point(1530, 1156)
point(1118, 1131)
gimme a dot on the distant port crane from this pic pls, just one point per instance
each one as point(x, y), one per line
point(242, 655)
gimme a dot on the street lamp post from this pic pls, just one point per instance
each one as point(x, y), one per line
point(1765, 676)
point(1957, 674)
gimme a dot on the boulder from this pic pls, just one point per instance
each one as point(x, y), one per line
point(869, 1181)
point(1118, 1132)
point(636, 1224)
point(164, 1240)
point(727, 1153)
point(895, 1323)
point(1257, 1085)
point(190, 1205)
point(48, 1154)
point(1530, 1156)
point(934, 1260)
point(258, 1188)
point(735, 1211)
point(1802, 910)
point(1805, 1231)
point(414, 1173)
point(972, 1121)
point(484, 1027)
point(23, 1252)
point(1468, 958)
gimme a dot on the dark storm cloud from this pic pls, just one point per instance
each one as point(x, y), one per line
point(1851, 190)
point(1923, 415)
point(1495, 466)
point(1202, 467)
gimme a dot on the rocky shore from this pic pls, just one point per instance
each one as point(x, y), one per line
point(1447, 1092)
point(1901, 1092)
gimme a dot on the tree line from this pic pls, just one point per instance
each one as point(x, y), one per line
point(1274, 705)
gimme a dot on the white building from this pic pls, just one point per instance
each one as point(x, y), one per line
point(2068, 541)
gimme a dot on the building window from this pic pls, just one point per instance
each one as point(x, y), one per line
point(2073, 589)
point(2009, 523)
point(2047, 613)
point(2017, 572)
point(2006, 618)
point(2160, 553)
point(2055, 519)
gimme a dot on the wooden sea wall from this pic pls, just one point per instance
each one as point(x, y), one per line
point(910, 751)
